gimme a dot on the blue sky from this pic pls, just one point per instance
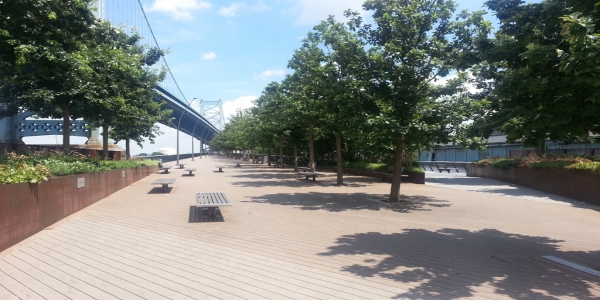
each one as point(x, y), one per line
point(231, 50)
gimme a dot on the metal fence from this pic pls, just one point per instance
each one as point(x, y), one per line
point(170, 157)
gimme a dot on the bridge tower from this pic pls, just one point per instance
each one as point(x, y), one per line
point(212, 111)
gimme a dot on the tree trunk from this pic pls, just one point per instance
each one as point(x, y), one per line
point(127, 148)
point(540, 149)
point(66, 130)
point(338, 152)
point(295, 158)
point(105, 142)
point(269, 157)
point(281, 154)
point(398, 153)
point(311, 147)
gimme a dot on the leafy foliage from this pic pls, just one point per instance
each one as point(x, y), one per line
point(540, 74)
point(37, 167)
point(547, 161)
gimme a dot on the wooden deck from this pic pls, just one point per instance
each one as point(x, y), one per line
point(284, 239)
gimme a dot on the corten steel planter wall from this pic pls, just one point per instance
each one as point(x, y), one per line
point(575, 184)
point(26, 209)
point(413, 177)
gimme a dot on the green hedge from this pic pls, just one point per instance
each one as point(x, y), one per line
point(571, 162)
point(36, 167)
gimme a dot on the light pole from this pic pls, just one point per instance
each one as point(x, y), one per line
point(202, 137)
point(193, 131)
point(178, 125)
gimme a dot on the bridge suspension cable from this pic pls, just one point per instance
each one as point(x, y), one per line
point(130, 15)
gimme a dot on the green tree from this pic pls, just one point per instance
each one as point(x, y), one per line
point(123, 85)
point(43, 65)
point(342, 67)
point(542, 82)
point(414, 43)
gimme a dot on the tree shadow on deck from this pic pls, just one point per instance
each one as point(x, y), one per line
point(338, 202)
point(453, 263)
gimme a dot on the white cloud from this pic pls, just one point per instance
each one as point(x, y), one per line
point(235, 8)
point(314, 11)
point(268, 74)
point(231, 107)
point(179, 9)
point(231, 10)
point(208, 56)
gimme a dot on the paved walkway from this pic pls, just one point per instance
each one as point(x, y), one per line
point(289, 238)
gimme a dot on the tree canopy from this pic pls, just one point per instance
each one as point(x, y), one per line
point(59, 61)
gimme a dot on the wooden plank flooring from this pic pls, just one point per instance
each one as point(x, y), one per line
point(285, 238)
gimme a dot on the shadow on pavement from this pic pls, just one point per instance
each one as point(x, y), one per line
point(342, 202)
point(199, 214)
point(451, 263)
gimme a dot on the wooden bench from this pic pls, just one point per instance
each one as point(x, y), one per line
point(310, 174)
point(190, 170)
point(442, 167)
point(164, 182)
point(220, 168)
point(181, 165)
point(211, 202)
point(164, 168)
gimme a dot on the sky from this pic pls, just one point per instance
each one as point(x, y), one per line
point(229, 51)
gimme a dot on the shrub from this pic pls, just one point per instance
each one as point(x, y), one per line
point(504, 163)
point(568, 161)
point(39, 166)
point(21, 172)
point(593, 167)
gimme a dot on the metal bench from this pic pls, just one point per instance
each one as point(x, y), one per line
point(164, 167)
point(164, 182)
point(442, 167)
point(190, 170)
point(310, 174)
point(211, 202)
point(220, 168)
point(389, 174)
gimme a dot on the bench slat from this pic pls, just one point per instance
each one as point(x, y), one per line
point(212, 199)
point(164, 181)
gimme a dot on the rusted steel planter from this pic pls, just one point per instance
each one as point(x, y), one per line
point(575, 184)
point(26, 208)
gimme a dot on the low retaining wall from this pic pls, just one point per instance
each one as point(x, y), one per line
point(413, 177)
point(575, 184)
point(26, 208)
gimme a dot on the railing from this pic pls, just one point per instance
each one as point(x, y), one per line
point(288, 160)
point(170, 157)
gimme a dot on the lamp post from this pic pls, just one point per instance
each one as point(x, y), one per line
point(193, 131)
point(201, 137)
point(178, 126)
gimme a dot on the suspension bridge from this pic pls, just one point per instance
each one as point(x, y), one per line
point(201, 124)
